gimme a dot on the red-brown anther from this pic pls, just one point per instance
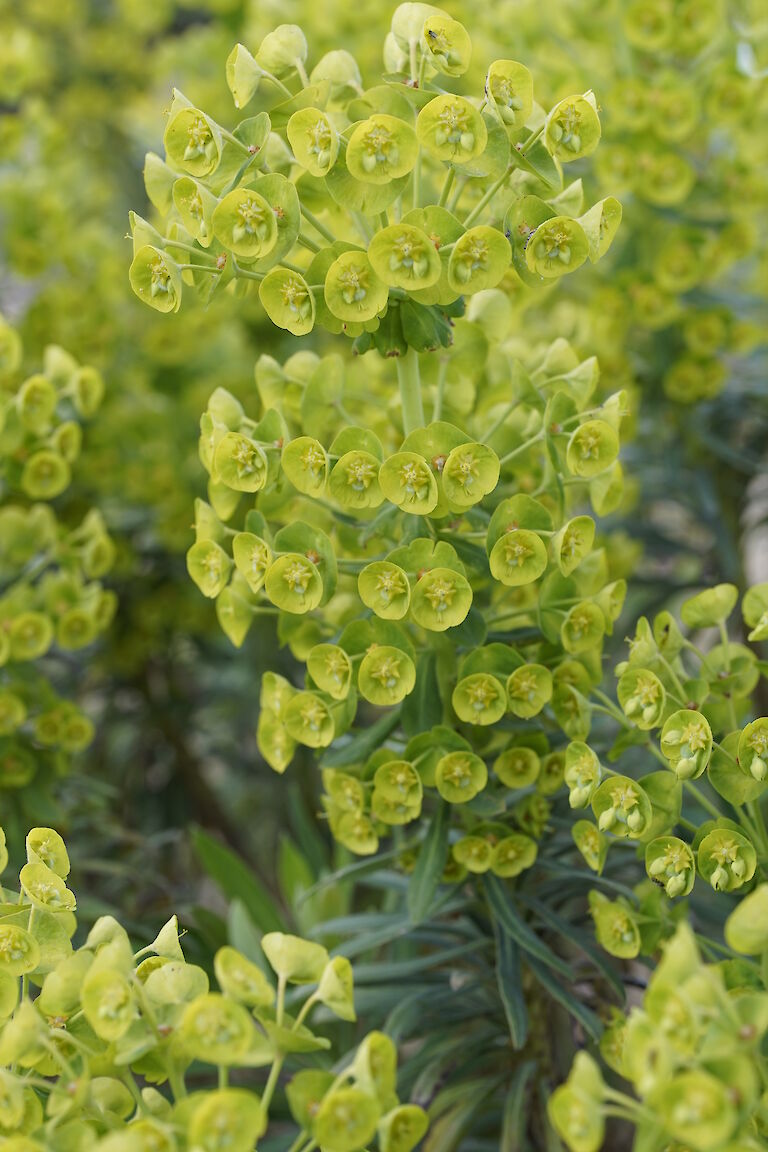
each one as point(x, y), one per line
point(512, 526)
point(435, 240)
point(438, 463)
point(165, 1029)
point(279, 213)
point(421, 572)
point(279, 442)
point(221, 260)
point(252, 149)
point(555, 429)
point(313, 556)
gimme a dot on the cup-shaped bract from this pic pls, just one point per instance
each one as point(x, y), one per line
point(470, 472)
point(440, 599)
point(288, 301)
point(591, 843)
point(529, 688)
point(305, 462)
point(622, 807)
point(407, 481)
point(386, 675)
point(513, 854)
point(354, 480)
point(403, 256)
point(381, 149)
point(479, 698)
point(670, 862)
point(572, 128)
point(331, 669)
point(384, 588)
point(196, 205)
point(592, 447)
point(726, 859)
point(216, 1030)
point(240, 463)
point(252, 557)
point(45, 475)
point(575, 1108)
point(241, 979)
point(557, 246)
point(36, 402)
point(353, 292)
point(227, 1118)
point(245, 223)
point(451, 129)
point(283, 49)
point(447, 44)
point(156, 279)
point(642, 696)
point(193, 141)
point(746, 929)
point(517, 767)
point(30, 635)
point(509, 88)
point(573, 542)
point(474, 853)
point(346, 1119)
point(314, 140)
point(460, 776)
point(309, 720)
point(518, 557)
point(243, 74)
point(753, 749)
point(754, 609)
point(583, 627)
point(294, 583)
point(399, 782)
point(686, 741)
point(600, 224)
point(616, 926)
point(479, 260)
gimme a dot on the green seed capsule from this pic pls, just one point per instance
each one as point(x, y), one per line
point(451, 129)
point(408, 482)
point(381, 149)
point(314, 140)
point(245, 223)
point(386, 675)
point(384, 588)
point(403, 256)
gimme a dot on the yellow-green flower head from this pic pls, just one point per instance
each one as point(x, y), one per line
point(331, 669)
point(314, 140)
point(726, 859)
point(45, 475)
point(474, 853)
point(582, 773)
point(509, 88)
point(452, 129)
point(309, 721)
point(346, 791)
point(354, 480)
point(30, 635)
point(459, 777)
point(572, 128)
point(156, 279)
point(642, 696)
point(294, 583)
point(670, 862)
point(192, 141)
point(573, 542)
point(386, 675)
point(529, 688)
point(245, 223)
point(196, 205)
point(575, 1108)
point(518, 557)
point(556, 247)
point(615, 926)
point(583, 628)
point(513, 854)
point(216, 1030)
point(470, 472)
point(45, 889)
point(517, 767)
point(36, 402)
point(384, 588)
point(479, 699)
point(591, 843)
point(686, 741)
point(108, 1002)
point(405, 257)
point(353, 291)
point(697, 1108)
point(19, 951)
point(407, 481)
point(447, 44)
point(240, 463)
point(356, 832)
point(753, 749)
point(479, 260)
point(399, 782)
point(346, 1119)
point(381, 148)
point(226, 1120)
point(252, 557)
point(441, 599)
point(241, 979)
point(622, 807)
point(305, 462)
point(287, 300)
point(209, 566)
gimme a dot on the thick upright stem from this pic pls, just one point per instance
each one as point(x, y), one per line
point(409, 379)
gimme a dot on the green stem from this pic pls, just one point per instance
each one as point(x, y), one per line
point(488, 196)
point(447, 185)
point(442, 372)
point(409, 380)
point(705, 802)
point(269, 1089)
point(522, 448)
point(318, 225)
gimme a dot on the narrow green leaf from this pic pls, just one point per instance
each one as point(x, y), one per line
point(429, 866)
point(585, 1016)
point(363, 743)
point(515, 1112)
point(510, 921)
point(423, 708)
point(509, 979)
point(237, 881)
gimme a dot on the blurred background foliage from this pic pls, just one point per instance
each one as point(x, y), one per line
point(673, 314)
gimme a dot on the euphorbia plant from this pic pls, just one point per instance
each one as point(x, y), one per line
point(400, 544)
point(51, 594)
point(97, 1043)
